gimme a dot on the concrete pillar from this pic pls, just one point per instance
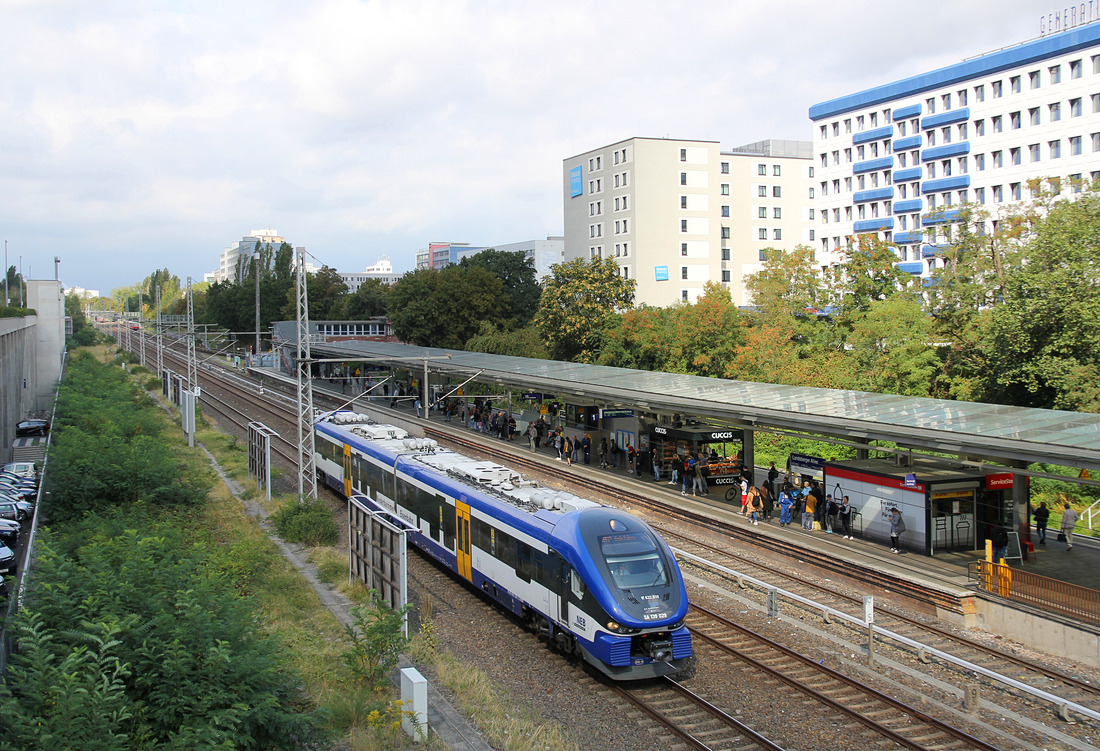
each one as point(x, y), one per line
point(748, 452)
point(414, 698)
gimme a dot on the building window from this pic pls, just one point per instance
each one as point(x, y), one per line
point(683, 202)
point(777, 234)
point(1033, 115)
point(1014, 120)
point(811, 172)
point(725, 189)
point(996, 120)
point(1014, 84)
point(811, 235)
point(1075, 107)
point(979, 127)
point(1014, 155)
point(762, 191)
point(683, 155)
point(1095, 103)
point(931, 169)
point(859, 123)
point(836, 128)
point(901, 159)
point(761, 169)
point(1075, 69)
point(811, 215)
point(725, 275)
point(946, 134)
point(1054, 148)
point(930, 105)
point(725, 211)
point(725, 168)
point(777, 191)
point(1033, 150)
point(946, 99)
point(684, 295)
point(777, 213)
point(848, 125)
point(683, 249)
point(824, 160)
point(683, 225)
point(874, 119)
point(1074, 145)
point(777, 170)
point(1055, 73)
point(683, 178)
point(762, 234)
point(931, 135)
point(725, 236)
point(962, 97)
point(683, 272)
point(998, 159)
point(998, 194)
point(901, 128)
point(979, 162)
point(762, 212)
point(979, 195)
point(1034, 80)
point(811, 192)
point(1016, 194)
point(997, 92)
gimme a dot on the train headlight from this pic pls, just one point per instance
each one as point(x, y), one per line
point(612, 626)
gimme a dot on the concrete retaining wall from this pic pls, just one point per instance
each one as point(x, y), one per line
point(1039, 631)
point(18, 352)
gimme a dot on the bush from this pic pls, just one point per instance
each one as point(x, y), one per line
point(308, 522)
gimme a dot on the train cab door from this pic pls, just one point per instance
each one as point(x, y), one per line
point(347, 471)
point(462, 539)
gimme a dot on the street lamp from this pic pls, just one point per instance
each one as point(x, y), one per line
point(256, 273)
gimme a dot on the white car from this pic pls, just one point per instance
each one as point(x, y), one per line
point(25, 469)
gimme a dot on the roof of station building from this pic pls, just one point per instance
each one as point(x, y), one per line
point(968, 428)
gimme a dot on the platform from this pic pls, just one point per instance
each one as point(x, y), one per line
point(946, 571)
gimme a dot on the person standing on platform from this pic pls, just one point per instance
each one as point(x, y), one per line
point(674, 468)
point(808, 509)
point(845, 514)
point(1069, 521)
point(767, 498)
point(830, 514)
point(586, 446)
point(558, 444)
point(897, 528)
point(540, 431)
point(785, 504)
point(688, 476)
point(532, 434)
point(655, 459)
point(631, 457)
point(1042, 516)
point(603, 453)
point(773, 474)
point(567, 449)
point(999, 538)
point(744, 494)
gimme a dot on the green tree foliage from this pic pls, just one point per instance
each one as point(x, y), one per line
point(579, 301)
point(232, 304)
point(83, 334)
point(376, 640)
point(787, 287)
point(17, 289)
point(445, 307)
point(307, 521)
point(145, 617)
point(700, 338)
point(371, 300)
point(1041, 341)
point(891, 346)
point(518, 277)
point(106, 449)
point(868, 273)
point(524, 342)
point(325, 291)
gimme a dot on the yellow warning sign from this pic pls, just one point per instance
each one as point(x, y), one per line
point(1084, 474)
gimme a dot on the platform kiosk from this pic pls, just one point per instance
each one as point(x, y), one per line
point(721, 446)
point(944, 509)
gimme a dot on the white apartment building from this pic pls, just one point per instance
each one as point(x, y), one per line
point(900, 158)
point(541, 253)
point(382, 270)
point(227, 265)
point(676, 214)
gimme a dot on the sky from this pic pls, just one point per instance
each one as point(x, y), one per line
point(145, 134)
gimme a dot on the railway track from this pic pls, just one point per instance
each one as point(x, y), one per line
point(911, 733)
point(1022, 669)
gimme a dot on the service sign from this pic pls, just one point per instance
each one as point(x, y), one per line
point(611, 414)
point(1000, 481)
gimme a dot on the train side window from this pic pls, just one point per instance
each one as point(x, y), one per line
point(523, 561)
point(447, 520)
point(434, 520)
point(576, 585)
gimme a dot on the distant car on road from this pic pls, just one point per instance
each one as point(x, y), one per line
point(32, 427)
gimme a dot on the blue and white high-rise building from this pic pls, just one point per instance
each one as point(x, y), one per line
point(898, 159)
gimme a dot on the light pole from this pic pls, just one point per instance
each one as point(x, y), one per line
point(256, 273)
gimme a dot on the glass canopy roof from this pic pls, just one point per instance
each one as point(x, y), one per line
point(972, 428)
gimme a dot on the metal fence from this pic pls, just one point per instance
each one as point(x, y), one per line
point(1042, 592)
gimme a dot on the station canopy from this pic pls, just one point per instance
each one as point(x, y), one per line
point(963, 429)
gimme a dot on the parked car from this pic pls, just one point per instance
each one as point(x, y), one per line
point(7, 560)
point(23, 469)
point(17, 491)
point(14, 479)
point(14, 510)
point(32, 427)
point(9, 532)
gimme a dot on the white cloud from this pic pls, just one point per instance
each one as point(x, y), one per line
point(151, 133)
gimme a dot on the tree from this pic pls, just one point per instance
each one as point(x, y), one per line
point(868, 273)
point(444, 307)
point(891, 346)
point(369, 301)
point(524, 342)
point(518, 278)
point(579, 299)
point(325, 290)
point(787, 287)
point(1041, 340)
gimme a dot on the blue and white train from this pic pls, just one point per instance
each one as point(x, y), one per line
point(592, 579)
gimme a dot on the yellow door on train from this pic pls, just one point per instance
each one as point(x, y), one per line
point(347, 471)
point(462, 539)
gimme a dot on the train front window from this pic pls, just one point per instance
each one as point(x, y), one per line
point(634, 571)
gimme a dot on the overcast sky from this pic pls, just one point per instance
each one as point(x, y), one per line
point(144, 134)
